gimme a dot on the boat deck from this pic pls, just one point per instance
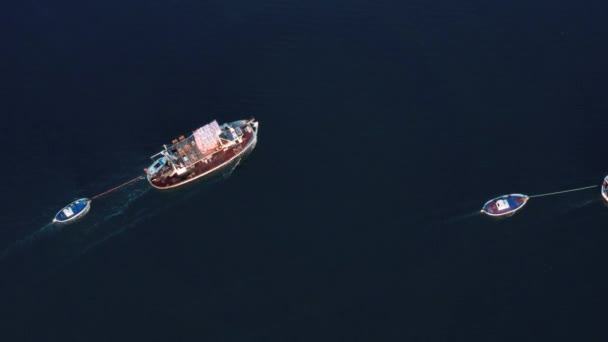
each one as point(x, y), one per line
point(73, 210)
point(187, 152)
point(514, 203)
point(201, 168)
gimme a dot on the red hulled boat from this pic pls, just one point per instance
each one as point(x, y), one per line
point(209, 149)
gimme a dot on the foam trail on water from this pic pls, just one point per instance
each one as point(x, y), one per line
point(29, 239)
point(101, 229)
point(54, 247)
point(101, 212)
point(579, 205)
point(459, 218)
point(134, 221)
point(131, 197)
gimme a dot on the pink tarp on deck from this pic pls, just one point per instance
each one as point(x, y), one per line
point(207, 137)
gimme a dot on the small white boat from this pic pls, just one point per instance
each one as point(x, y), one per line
point(73, 211)
point(605, 189)
point(505, 205)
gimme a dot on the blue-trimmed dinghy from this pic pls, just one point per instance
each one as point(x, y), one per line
point(505, 205)
point(73, 211)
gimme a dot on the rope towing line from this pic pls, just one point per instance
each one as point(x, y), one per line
point(507, 205)
point(564, 191)
point(118, 187)
point(81, 207)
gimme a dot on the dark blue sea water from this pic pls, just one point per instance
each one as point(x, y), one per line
point(384, 127)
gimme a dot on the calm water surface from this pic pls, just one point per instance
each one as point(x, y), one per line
point(383, 129)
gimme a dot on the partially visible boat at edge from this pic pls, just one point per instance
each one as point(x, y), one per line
point(505, 205)
point(73, 211)
point(605, 189)
point(207, 150)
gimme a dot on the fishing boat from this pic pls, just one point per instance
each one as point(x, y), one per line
point(207, 150)
point(73, 211)
point(605, 188)
point(505, 205)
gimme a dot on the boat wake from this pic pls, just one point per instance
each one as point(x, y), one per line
point(55, 245)
point(52, 247)
point(461, 218)
point(23, 242)
point(117, 221)
point(578, 206)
